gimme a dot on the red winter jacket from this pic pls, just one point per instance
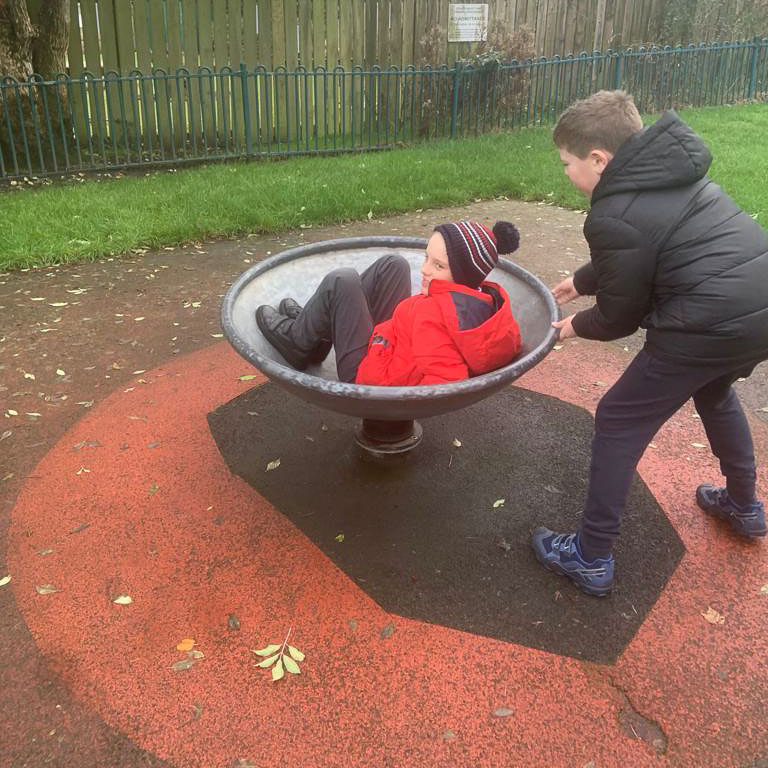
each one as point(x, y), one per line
point(453, 333)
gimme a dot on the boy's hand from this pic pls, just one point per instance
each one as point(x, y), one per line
point(566, 328)
point(565, 292)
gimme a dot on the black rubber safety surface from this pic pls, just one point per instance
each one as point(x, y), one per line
point(428, 537)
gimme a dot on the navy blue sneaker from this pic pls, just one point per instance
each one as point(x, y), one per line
point(748, 520)
point(560, 553)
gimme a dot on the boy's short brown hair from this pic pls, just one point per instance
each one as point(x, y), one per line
point(604, 120)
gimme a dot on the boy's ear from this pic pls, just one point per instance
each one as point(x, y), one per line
point(599, 159)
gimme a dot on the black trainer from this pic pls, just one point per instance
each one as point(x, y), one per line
point(291, 308)
point(747, 520)
point(276, 328)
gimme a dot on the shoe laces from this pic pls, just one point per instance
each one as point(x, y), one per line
point(564, 542)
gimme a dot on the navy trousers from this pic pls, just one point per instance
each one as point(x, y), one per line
point(648, 393)
point(346, 306)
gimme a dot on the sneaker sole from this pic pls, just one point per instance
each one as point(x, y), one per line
point(715, 511)
point(587, 590)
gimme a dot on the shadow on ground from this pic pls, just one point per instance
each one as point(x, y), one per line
point(424, 539)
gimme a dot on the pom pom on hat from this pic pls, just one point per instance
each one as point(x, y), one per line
point(507, 236)
point(473, 249)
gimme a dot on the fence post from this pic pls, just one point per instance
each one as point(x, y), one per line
point(246, 109)
point(455, 100)
point(618, 70)
point(756, 45)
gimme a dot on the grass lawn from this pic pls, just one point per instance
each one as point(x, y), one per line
point(65, 222)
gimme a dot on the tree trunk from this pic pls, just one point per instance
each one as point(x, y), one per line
point(16, 36)
point(49, 53)
point(25, 48)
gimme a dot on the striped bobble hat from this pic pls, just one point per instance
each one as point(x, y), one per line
point(473, 249)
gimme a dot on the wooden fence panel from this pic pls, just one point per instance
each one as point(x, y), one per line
point(206, 83)
point(250, 34)
point(76, 61)
point(408, 33)
point(329, 30)
point(189, 50)
point(235, 60)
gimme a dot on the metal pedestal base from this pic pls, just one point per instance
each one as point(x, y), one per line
point(387, 439)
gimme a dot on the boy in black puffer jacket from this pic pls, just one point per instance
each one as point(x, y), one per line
point(672, 253)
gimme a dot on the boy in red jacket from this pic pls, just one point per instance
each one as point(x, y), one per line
point(460, 325)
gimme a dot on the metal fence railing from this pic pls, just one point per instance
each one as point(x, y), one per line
point(88, 123)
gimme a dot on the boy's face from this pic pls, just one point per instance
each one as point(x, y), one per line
point(585, 173)
point(436, 265)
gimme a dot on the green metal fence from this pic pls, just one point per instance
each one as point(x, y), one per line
point(66, 125)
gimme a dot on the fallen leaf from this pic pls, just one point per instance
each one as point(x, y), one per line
point(11, 412)
point(270, 649)
point(46, 589)
point(388, 631)
point(86, 403)
point(698, 445)
point(29, 376)
point(186, 644)
point(195, 654)
point(763, 410)
point(82, 470)
point(764, 589)
point(138, 319)
point(272, 465)
point(6, 434)
point(277, 671)
point(498, 503)
point(713, 617)
point(180, 666)
point(5, 580)
point(249, 377)
point(136, 373)
point(558, 346)
point(45, 552)
point(503, 712)
point(339, 537)
point(60, 372)
point(154, 488)
point(456, 442)
point(123, 600)
point(296, 653)
point(80, 528)
point(291, 665)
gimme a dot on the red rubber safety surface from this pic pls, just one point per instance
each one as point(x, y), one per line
point(152, 512)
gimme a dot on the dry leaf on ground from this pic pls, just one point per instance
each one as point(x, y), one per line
point(713, 617)
point(123, 600)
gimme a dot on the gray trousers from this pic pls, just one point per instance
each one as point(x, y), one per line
point(347, 305)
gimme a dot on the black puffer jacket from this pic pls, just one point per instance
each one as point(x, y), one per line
point(671, 252)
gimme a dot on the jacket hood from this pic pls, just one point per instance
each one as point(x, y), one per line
point(666, 154)
point(492, 343)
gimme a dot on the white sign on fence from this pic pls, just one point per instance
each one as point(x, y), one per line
point(467, 22)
